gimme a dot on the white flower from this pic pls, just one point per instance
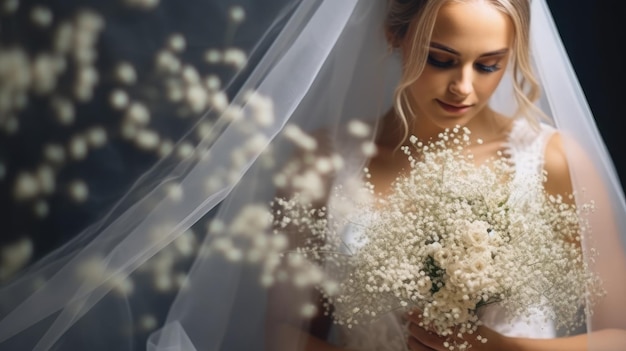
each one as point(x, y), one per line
point(442, 256)
point(476, 234)
point(449, 237)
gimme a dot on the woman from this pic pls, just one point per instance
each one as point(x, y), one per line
point(462, 71)
point(328, 66)
point(454, 56)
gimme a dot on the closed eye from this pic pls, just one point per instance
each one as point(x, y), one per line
point(488, 68)
point(440, 63)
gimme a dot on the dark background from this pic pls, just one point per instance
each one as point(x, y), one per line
point(593, 33)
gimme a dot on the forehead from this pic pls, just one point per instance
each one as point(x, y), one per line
point(473, 27)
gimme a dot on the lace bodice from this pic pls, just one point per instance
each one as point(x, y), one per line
point(525, 147)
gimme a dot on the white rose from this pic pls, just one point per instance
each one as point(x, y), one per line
point(476, 233)
point(456, 274)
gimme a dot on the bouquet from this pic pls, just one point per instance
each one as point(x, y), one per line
point(451, 237)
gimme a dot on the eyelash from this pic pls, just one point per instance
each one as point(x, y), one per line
point(449, 64)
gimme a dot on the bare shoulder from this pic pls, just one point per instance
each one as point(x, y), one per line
point(559, 180)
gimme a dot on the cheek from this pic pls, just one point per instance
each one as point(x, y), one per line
point(427, 84)
point(489, 84)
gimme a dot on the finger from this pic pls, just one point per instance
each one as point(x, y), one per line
point(425, 337)
point(415, 345)
point(414, 316)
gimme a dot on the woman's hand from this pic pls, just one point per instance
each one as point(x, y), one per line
point(422, 339)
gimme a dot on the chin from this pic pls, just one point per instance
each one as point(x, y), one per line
point(451, 122)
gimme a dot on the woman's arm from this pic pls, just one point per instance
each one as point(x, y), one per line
point(287, 334)
point(602, 340)
point(287, 329)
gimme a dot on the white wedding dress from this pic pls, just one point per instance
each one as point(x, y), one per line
point(526, 149)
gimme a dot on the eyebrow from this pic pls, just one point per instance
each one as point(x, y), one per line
point(454, 52)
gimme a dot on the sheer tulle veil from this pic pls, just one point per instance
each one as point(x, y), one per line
point(198, 226)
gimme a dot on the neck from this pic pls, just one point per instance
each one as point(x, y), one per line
point(487, 125)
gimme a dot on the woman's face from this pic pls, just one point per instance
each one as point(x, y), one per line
point(468, 54)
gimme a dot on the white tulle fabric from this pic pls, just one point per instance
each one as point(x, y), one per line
point(329, 64)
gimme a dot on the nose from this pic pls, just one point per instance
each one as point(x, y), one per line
point(461, 84)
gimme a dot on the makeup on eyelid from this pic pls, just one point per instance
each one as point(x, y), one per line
point(439, 62)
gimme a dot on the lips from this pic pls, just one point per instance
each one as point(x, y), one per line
point(454, 108)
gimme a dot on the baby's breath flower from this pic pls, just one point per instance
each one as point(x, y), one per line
point(450, 238)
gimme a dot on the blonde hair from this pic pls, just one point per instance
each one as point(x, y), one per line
point(414, 20)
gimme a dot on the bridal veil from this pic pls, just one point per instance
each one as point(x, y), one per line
point(183, 260)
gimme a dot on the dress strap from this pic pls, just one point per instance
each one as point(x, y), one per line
point(526, 149)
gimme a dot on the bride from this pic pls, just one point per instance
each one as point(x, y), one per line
point(346, 81)
point(454, 55)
